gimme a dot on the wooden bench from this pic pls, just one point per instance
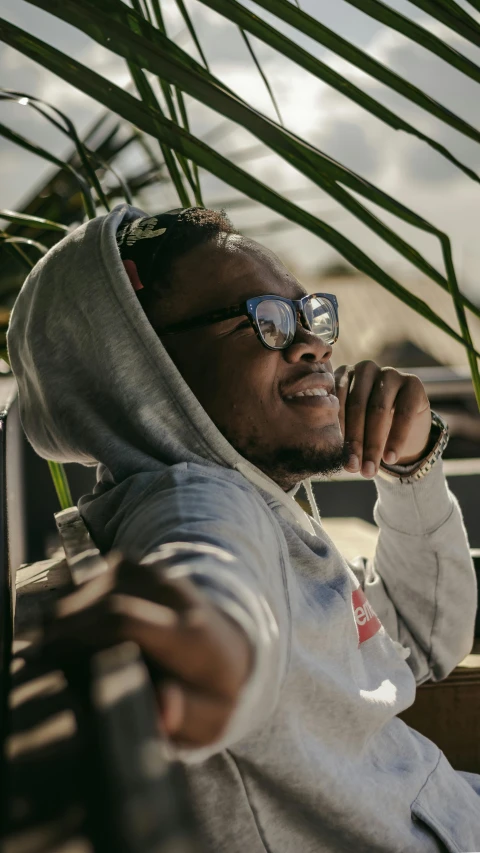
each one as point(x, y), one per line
point(448, 712)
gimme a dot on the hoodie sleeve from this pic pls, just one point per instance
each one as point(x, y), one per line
point(221, 537)
point(422, 582)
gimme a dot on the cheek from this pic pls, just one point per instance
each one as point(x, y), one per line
point(232, 381)
point(244, 386)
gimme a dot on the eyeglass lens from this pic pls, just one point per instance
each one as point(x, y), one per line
point(276, 323)
point(319, 316)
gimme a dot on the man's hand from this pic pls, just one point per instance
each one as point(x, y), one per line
point(384, 414)
point(200, 659)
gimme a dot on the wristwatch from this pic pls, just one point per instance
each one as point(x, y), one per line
point(439, 436)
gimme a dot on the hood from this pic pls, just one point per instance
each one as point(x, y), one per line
point(95, 382)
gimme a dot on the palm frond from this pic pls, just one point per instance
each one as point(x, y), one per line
point(139, 35)
point(426, 39)
point(328, 174)
point(154, 123)
point(317, 31)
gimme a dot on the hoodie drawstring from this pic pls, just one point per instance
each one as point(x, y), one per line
point(311, 500)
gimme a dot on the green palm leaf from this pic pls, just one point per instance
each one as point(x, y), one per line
point(20, 140)
point(386, 15)
point(26, 242)
point(60, 482)
point(155, 124)
point(32, 221)
point(248, 21)
point(453, 16)
point(146, 48)
point(262, 74)
point(322, 170)
point(146, 93)
point(189, 25)
point(62, 123)
point(326, 37)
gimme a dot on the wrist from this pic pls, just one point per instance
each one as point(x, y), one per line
point(409, 472)
point(427, 448)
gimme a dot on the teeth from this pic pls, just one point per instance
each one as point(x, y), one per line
point(310, 392)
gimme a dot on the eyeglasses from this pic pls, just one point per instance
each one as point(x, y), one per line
point(275, 318)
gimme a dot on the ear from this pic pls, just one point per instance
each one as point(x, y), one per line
point(131, 270)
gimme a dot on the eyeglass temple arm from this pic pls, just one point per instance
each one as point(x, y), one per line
point(205, 319)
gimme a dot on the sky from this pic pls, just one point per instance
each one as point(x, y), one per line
point(398, 163)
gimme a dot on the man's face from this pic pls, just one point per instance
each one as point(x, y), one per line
point(247, 390)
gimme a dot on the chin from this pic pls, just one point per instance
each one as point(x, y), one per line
point(291, 464)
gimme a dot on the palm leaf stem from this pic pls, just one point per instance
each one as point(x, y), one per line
point(68, 128)
point(146, 93)
point(32, 221)
point(12, 136)
point(191, 29)
point(60, 482)
point(262, 74)
point(190, 170)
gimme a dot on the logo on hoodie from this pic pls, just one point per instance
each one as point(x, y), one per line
point(366, 620)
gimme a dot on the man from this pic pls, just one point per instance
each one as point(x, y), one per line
point(193, 367)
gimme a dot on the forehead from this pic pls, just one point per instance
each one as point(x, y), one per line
point(231, 269)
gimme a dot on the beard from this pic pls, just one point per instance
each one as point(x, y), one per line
point(301, 463)
point(288, 466)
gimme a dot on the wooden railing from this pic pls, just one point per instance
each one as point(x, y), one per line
point(84, 759)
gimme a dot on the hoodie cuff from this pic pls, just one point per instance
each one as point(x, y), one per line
point(414, 508)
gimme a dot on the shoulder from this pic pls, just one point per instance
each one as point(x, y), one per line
point(201, 491)
point(191, 501)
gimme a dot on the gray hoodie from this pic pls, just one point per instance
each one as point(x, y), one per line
point(315, 758)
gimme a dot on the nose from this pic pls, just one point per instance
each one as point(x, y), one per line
point(307, 347)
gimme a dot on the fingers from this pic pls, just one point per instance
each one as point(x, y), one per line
point(379, 417)
point(386, 416)
point(343, 379)
point(191, 718)
point(202, 647)
point(204, 654)
point(410, 431)
point(198, 644)
point(361, 384)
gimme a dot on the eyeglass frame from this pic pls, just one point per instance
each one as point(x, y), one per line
point(249, 308)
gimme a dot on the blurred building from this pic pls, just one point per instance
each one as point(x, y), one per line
point(375, 325)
